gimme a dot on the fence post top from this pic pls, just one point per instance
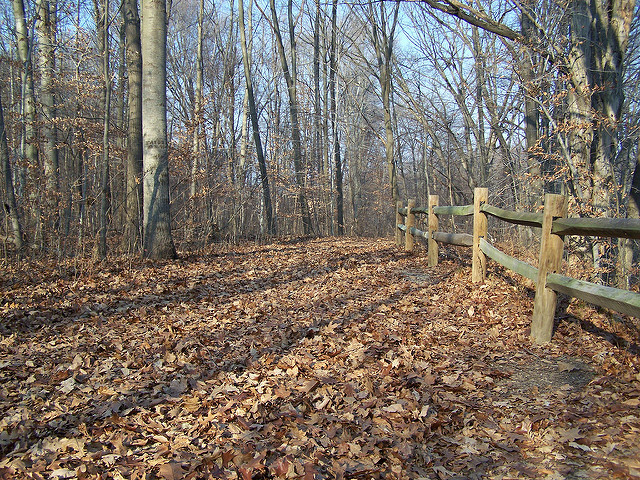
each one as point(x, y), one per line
point(554, 197)
point(558, 204)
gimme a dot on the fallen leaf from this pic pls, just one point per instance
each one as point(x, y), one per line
point(171, 471)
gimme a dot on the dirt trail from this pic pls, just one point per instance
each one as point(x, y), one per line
point(333, 358)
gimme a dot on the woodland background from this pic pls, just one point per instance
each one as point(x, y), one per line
point(356, 105)
point(338, 357)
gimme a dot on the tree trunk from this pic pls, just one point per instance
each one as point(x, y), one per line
point(197, 106)
point(157, 238)
point(531, 113)
point(334, 121)
point(290, 77)
point(325, 176)
point(46, 26)
point(483, 155)
point(625, 245)
point(383, 45)
point(133, 192)
point(29, 142)
point(102, 20)
point(11, 206)
point(253, 113)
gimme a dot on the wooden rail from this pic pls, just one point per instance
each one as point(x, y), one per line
point(554, 226)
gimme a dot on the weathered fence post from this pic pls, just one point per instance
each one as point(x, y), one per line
point(398, 222)
point(410, 223)
point(551, 247)
point(433, 227)
point(479, 262)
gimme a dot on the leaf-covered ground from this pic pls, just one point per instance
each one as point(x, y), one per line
point(326, 359)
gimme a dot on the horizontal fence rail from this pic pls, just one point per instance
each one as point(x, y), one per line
point(554, 226)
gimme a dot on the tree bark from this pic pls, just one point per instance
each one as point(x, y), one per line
point(253, 113)
point(29, 139)
point(133, 187)
point(102, 20)
point(290, 76)
point(333, 68)
point(531, 113)
point(383, 39)
point(157, 238)
point(11, 206)
point(29, 142)
point(46, 26)
point(197, 105)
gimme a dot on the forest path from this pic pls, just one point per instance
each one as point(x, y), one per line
point(331, 358)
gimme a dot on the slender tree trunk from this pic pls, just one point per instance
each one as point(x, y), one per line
point(46, 26)
point(290, 76)
point(333, 66)
point(157, 240)
point(197, 107)
point(317, 119)
point(11, 206)
point(625, 245)
point(102, 20)
point(483, 155)
point(383, 39)
point(133, 187)
point(253, 113)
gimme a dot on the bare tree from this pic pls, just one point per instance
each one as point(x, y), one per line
point(382, 36)
point(333, 67)
point(29, 140)
point(133, 174)
point(157, 240)
point(11, 206)
point(102, 21)
point(46, 26)
point(289, 70)
point(253, 113)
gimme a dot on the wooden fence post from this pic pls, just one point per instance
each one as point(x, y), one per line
point(479, 262)
point(433, 227)
point(551, 247)
point(411, 222)
point(398, 222)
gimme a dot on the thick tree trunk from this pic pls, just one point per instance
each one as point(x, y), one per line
point(29, 143)
point(29, 139)
point(600, 35)
point(531, 113)
point(133, 187)
point(594, 68)
point(157, 239)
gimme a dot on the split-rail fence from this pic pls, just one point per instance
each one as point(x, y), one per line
point(547, 277)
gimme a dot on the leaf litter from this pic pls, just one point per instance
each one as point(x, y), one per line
point(323, 359)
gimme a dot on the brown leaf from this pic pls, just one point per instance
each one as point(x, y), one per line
point(171, 471)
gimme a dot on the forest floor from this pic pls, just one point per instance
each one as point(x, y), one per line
point(322, 359)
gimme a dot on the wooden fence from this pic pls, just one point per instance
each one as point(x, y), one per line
point(554, 224)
